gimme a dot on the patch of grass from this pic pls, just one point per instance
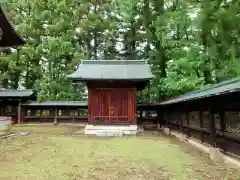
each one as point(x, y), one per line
point(79, 131)
point(45, 155)
point(45, 129)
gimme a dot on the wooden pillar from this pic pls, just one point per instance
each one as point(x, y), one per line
point(212, 128)
point(55, 115)
point(74, 115)
point(159, 117)
point(167, 120)
point(223, 128)
point(19, 112)
point(201, 125)
point(181, 122)
point(140, 117)
point(222, 121)
point(23, 114)
point(187, 119)
point(2, 109)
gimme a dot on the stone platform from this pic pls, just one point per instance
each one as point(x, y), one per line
point(111, 130)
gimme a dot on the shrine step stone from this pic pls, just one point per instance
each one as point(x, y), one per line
point(110, 130)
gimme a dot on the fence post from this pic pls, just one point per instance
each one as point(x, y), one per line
point(181, 123)
point(159, 118)
point(19, 111)
point(222, 127)
point(140, 113)
point(201, 125)
point(167, 120)
point(188, 129)
point(212, 128)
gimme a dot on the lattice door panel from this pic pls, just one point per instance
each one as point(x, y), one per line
point(194, 119)
point(206, 117)
point(232, 120)
point(217, 121)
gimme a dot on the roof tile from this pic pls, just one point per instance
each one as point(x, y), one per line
point(112, 70)
point(15, 93)
point(58, 103)
point(223, 87)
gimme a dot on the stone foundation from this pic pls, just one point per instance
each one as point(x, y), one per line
point(4, 123)
point(110, 130)
point(166, 130)
point(215, 153)
point(183, 137)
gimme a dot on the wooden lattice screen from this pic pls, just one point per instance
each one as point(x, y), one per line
point(205, 117)
point(232, 120)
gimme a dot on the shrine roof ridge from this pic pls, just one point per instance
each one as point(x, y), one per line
point(15, 93)
point(58, 103)
point(113, 70)
point(222, 88)
point(114, 62)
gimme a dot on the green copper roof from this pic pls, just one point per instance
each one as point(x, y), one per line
point(224, 87)
point(112, 70)
point(58, 103)
point(12, 93)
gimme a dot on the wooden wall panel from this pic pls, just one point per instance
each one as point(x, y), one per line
point(112, 106)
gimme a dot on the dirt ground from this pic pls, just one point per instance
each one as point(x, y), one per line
point(52, 153)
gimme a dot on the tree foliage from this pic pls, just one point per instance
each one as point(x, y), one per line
point(188, 43)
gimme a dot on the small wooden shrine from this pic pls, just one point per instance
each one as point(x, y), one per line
point(8, 37)
point(112, 86)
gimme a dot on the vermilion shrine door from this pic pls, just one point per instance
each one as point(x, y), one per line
point(113, 106)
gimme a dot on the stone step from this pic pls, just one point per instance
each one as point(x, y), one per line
point(108, 133)
point(112, 127)
point(110, 130)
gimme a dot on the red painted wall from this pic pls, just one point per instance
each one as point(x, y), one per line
point(111, 105)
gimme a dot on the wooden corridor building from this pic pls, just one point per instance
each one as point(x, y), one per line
point(210, 115)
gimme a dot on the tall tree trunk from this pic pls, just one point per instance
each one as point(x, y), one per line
point(133, 40)
point(147, 21)
point(159, 7)
point(16, 75)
